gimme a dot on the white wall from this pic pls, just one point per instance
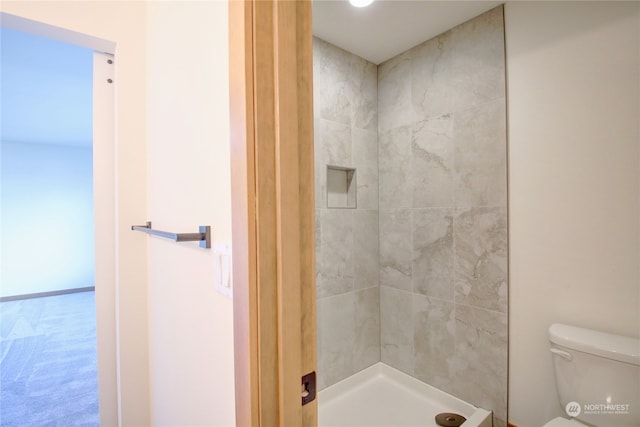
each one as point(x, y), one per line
point(574, 94)
point(191, 325)
point(124, 23)
point(47, 218)
point(191, 339)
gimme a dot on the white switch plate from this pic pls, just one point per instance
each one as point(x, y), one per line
point(222, 269)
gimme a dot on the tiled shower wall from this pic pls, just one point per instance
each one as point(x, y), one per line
point(442, 217)
point(346, 124)
point(427, 293)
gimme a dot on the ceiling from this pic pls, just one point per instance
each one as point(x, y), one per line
point(46, 89)
point(389, 27)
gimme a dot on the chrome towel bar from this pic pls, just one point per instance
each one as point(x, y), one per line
point(203, 236)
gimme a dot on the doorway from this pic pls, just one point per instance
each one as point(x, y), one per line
point(47, 293)
point(51, 134)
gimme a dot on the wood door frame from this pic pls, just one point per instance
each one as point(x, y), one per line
point(272, 179)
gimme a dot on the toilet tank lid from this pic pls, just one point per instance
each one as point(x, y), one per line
point(616, 347)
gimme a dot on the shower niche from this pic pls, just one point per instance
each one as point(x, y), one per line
point(341, 187)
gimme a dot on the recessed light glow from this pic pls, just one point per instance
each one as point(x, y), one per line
point(360, 3)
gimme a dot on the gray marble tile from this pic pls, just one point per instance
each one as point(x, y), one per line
point(433, 341)
point(367, 328)
point(332, 89)
point(364, 103)
point(318, 80)
point(478, 60)
point(431, 90)
point(364, 154)
point(336, 338)
point(432, 162)
point(432, 271)
point(319, 166)
point(499, 422)
point(394, 92)
point(364, 147)
point(332, 146)
point(481, 258)
point(367, 187)
point(334, 142)
point(366, 254)
point(480, 155)
point(394, 162)
point(396, 329)
point(336, 268)
point(396, 249)
point(318, 243)
point(481, 358)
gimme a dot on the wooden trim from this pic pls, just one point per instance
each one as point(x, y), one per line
point(288, 210)
point(273, 205)
point(306, 184)
point(265, 221)
point(244, 213)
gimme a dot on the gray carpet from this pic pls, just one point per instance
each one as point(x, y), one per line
point(48, 371)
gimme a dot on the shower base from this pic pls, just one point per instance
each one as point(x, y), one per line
point(383, 396)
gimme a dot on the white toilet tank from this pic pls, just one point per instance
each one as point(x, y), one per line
point(599, 372)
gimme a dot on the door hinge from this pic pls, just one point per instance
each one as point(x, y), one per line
point(308, 388)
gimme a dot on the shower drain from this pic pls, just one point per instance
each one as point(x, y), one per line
point(447, 419)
